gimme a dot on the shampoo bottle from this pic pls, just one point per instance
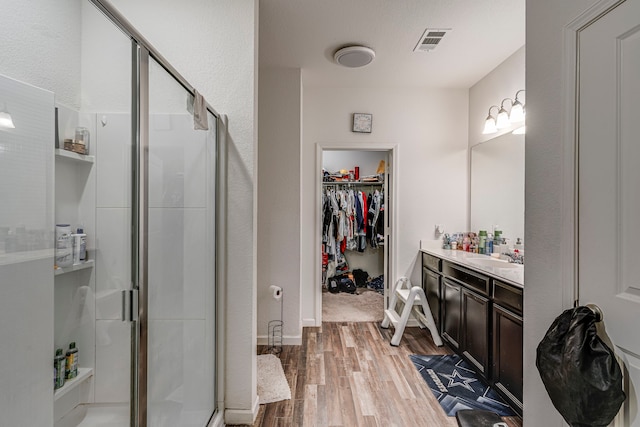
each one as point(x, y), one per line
point(72, 361)
point(519, 245)
point(482, 235)
point(82, 256)
point(59, 363)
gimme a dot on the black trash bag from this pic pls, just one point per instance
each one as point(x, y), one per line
point(360, 277)
point(333, 285)
point(346, 285)
point(579, 371)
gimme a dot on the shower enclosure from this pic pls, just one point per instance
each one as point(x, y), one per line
point(141, 308)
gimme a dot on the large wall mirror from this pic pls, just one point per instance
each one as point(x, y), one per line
point(497, 186)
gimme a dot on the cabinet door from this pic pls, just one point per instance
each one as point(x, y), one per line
point(451, 313)
point(475, 327)
point(507, 355)
point(431, 286)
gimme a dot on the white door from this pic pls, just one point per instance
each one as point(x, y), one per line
point(609, 183)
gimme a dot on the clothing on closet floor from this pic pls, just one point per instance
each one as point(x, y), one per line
point(377, 284)
point(360, 277)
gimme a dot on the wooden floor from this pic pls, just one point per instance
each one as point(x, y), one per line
point(347, 374)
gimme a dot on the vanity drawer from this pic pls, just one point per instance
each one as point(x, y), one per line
point(468, 278)
point(431, 262)
point(508, 296)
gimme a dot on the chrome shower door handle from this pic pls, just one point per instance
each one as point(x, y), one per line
point(129, 305)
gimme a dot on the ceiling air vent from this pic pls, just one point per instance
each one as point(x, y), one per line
point(430, 39)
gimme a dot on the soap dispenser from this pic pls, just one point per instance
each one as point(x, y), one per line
point(518, 245)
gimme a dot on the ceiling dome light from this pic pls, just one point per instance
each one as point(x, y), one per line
point(354, 56)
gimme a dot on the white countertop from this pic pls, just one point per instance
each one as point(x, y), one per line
point(510, 273)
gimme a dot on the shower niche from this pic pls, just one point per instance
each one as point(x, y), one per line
point(74, 286)
point(87, 295)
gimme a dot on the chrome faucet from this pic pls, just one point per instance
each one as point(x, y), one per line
point(514, 257)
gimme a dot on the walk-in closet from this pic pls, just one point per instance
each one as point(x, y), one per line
point(354, 230)
point(107, 228)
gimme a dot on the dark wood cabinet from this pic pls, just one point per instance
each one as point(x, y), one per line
point(480, 317)
point(431, 287)
point(507, 355)
point(451, 314)
point(475, 330)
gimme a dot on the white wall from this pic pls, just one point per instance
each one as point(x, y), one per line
point(543, 297)
point(430, 129)
point(367, 161)
point(37, 52)
point(503, 82)
point(279, 200)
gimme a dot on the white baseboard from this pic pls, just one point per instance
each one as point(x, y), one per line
point(310, 323)
point(242, 416)
point(286, 340)
point(412, 323)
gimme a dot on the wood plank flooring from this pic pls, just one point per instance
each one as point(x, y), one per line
point(347, 374)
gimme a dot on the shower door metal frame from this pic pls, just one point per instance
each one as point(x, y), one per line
point(140, 231)
point(142, 51)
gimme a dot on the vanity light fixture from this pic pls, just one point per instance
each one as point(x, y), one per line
point(490, 123)
point(517, 110)
point(505, 119)
point(6, 122)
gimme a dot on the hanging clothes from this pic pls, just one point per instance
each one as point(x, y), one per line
point(350, 221)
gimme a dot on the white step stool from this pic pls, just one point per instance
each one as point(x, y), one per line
point(413, 299)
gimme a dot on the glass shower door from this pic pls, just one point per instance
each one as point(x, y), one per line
point(181, 259)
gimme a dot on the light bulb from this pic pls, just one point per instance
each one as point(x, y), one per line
point(6, 121)
point(517, 112)
point(502, 121)
point(490, 126)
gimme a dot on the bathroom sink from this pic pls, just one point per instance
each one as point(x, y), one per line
point(494, 263)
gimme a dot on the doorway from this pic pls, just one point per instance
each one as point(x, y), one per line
point(354, 232)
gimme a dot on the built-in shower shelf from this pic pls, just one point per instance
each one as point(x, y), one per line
point(70, 155)
point(62, 270)
point(83, 375)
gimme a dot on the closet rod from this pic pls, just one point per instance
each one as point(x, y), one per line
point(353, 183)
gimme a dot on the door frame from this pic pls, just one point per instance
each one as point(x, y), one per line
point(392, 186)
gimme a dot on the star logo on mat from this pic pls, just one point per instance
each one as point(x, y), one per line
point(455, 379)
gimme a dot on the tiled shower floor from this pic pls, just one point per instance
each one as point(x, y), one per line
point(97, 416)
point(118, 416)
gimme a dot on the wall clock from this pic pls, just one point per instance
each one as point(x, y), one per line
point(362, 122)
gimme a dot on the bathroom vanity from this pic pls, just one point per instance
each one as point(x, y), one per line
point(477, 304)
